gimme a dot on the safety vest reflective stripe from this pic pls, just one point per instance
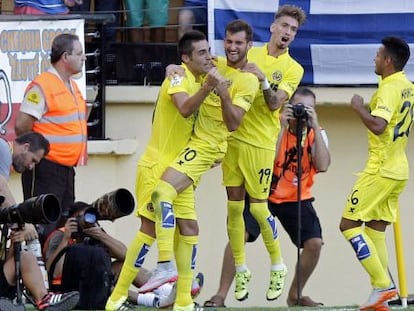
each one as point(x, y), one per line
point(62, 119)
point(65, 139)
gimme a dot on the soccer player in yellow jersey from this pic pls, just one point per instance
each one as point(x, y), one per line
point(373, 202)
point(248, 164)
point(174, 117)
point(219, 115)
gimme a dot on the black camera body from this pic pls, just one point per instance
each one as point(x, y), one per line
point(87, 219)
point(299, 111)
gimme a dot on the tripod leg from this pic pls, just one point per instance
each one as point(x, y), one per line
point(17, 249)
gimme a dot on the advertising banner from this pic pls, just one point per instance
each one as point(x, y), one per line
point(24, 53)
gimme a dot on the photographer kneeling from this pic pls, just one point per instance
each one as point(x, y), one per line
point(23, 154)
point(83, 247)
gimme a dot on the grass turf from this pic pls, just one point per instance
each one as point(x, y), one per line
point(333, 308)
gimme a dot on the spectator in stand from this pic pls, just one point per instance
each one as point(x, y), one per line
point(154, 11)
point(193, 16)
point(41, 7)
point(101, 6)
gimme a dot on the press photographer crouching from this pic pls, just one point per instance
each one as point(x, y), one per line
point(82, 256)
point(17, 265)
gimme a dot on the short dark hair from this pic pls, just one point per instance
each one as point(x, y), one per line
point(304, 91)
point(398, 50)
point(238, 25)
point(293, 11)
point(185, 44)
point(77, 207)
point(35, 140)
point(61, 44)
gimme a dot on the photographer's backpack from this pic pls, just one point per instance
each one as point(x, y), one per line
point(87, 269)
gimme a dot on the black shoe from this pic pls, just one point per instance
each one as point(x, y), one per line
point(58, 302)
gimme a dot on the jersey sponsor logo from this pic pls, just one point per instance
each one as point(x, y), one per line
point(385, 108)
point(176, 80)
point(360, 247)
point(272, 224)
point(141, 256)
point(33, 97)
point(168, 219)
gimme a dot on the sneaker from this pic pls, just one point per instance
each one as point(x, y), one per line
point(148, 300)
point(7, 305)
point(168, 291)
point(277, 282)
point(122, 304)
point(58, 302)
point(166, 294)
point(164, 273)
point(378, 297)
point(197, 285)
point(242, 280)
point(383, 307)
point(191, 307)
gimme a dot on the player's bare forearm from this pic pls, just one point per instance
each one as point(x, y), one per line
point(375, 124)
point(232, 114)
point(274, 100)
point(321, 158)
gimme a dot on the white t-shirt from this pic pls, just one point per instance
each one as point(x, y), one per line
point(5, 159)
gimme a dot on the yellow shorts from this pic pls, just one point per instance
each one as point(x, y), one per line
point(147, 179)
point(196, 159)
point(250, 166)
point(374, 198)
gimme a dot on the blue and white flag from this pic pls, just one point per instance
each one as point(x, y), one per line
point(339, 40)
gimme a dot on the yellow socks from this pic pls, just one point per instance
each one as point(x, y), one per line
point(378, 239)
point(185, 257)
point(236, 230)
point(367, 255)
point(268, 229)
point(134, 259)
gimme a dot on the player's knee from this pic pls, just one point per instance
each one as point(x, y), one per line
point(188, 227)
point(313, 245)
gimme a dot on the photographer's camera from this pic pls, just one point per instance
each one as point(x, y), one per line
point(87, 219)
point(299, 111)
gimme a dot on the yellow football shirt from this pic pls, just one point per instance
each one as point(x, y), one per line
point(210, 125)
point(393, 101)
point(170, 130)
point(260, 126)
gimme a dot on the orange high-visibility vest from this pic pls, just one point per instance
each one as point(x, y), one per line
point(284, 187)
point(64, 123)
